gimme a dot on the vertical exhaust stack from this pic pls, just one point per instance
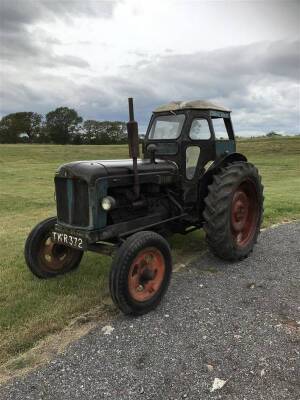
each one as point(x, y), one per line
point(133, 143)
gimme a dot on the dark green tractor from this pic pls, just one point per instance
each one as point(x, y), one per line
point(190, 177)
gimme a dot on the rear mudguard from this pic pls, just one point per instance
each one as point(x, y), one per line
point(207, 178)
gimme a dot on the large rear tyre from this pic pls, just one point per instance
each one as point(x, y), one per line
point(46, 259)
point(140, 273)
point(234, 211)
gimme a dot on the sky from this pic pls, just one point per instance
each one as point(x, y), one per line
point(92, 55)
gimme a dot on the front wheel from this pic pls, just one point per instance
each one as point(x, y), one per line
point(234, 211)
point(46, 259)
point(140, 273)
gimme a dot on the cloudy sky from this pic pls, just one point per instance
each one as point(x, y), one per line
point(91, 55)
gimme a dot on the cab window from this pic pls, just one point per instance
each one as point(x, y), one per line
point(200, 129)
point(220, 129)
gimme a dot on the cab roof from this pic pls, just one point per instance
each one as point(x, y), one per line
point(193, 104)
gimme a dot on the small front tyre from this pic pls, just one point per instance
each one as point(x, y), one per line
point(140, 273)
point(46, 259)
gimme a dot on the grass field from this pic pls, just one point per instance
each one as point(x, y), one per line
point(30, 308)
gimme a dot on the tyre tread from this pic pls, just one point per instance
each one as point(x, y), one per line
point(120, 266)
point(217, 203)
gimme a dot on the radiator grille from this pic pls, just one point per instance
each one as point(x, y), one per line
point(72, 201)
point(61, 192)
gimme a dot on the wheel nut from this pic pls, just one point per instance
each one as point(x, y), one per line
point(148, 258)
point(140, 288)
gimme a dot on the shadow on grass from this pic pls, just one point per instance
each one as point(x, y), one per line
point(185, 248)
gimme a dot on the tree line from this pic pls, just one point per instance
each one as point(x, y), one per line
point(60, 126)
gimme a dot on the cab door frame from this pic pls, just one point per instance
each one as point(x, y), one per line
point(223, 146)
point(207, 153)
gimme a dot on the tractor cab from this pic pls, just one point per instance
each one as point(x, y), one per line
point(192, 134)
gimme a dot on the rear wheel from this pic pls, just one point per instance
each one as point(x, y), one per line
point(46, 259)
point(234, 210)
point(140, 273)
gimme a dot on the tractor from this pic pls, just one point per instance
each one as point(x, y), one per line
point(190, 177)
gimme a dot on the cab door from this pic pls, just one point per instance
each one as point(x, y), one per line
point(198, 151)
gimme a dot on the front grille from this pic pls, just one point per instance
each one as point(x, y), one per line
point(72, 201)
point(80, 215)
point(61, 192)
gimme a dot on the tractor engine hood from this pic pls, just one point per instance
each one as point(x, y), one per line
point(90, 171)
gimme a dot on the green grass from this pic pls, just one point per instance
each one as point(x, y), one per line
point(278, 161)
point(30, 308)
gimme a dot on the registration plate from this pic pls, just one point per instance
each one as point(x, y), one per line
point(68, 240)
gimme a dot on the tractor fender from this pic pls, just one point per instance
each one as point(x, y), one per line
point(207, 178)
point(222, 162)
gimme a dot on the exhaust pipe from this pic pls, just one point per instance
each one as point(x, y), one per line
point(133, 144)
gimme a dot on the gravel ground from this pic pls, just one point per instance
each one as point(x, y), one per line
point(235, 322)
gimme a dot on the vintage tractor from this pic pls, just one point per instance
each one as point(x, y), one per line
point(189, 178)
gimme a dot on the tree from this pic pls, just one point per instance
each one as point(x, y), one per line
point(62, 124)
point(43, 136)
point(104, 132)
point(92, 132)
point(116, 131)
point(14, 127)
point(7, 133)
point(78, 135)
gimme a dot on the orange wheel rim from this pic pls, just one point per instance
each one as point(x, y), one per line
point(146, 274)
point(53, 257)
point(244, 213)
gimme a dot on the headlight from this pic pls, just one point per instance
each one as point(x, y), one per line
point(107, 203)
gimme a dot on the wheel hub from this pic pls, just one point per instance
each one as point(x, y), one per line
point(244, 213)
point(53, 257)
point(239, 210)
point(146, 274)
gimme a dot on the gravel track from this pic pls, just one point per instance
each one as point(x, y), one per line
point(235, 322)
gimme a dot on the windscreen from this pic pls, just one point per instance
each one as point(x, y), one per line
point(167, 127)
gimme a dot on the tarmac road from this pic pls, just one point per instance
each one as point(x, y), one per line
point(235, 322)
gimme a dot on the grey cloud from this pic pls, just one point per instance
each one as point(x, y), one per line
point(103, 8)
point(33, 52)
point(283, 59)
point(67, 60)
point(259, 82)
point(18, 41)
point(138, 53)
point(12, 46)
point(14, 14)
